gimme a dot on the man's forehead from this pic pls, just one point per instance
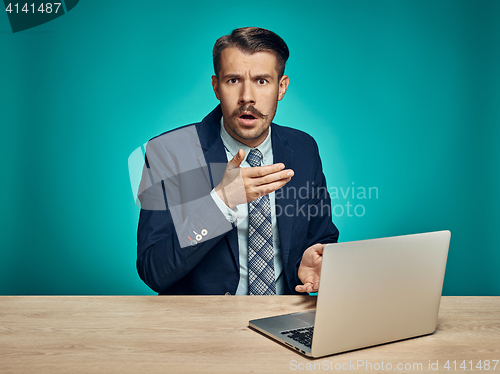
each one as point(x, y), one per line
point(234, 60)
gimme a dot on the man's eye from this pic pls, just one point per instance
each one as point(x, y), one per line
point(233, 81)
point(262, 81)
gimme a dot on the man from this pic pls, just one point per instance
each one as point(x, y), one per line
point(241, 228)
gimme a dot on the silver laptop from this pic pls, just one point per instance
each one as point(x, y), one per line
point(371, 292)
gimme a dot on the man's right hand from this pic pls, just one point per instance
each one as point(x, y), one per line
point(242, 185)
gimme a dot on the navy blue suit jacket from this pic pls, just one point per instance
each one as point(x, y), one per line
point(166, 261)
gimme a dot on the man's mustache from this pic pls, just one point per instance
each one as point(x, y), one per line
point(248, 108)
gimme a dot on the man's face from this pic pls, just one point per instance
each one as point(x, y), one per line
point(249, 90)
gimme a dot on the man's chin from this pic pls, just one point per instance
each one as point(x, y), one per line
point(246, 135)
point(251, 135)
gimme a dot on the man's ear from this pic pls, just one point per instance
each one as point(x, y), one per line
point(283, 86)
point(215, 86)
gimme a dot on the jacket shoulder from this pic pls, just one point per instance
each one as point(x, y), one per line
point(169, 132)
point(294, 137)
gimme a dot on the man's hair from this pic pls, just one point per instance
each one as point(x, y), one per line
point(251, 40)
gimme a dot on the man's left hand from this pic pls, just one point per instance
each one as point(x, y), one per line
point(310, 268)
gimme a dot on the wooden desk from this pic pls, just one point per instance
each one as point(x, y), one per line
point(198, 334)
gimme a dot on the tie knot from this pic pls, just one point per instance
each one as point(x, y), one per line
point(254, 157)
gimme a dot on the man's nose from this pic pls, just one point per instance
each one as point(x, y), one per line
point(247, 94)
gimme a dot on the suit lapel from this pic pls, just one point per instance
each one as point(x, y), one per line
point(210, 142)
point(214, 161)
point(282, 153)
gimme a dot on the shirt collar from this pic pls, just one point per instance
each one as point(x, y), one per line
point(234, 145)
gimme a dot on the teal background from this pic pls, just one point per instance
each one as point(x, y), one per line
point(400, 95)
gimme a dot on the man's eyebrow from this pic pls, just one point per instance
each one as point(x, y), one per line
point(263, 76)
point(231, 76)
point(257, 76)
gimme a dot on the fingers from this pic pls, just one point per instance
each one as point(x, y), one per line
point(237, 159)
point(260, 181)
point(256, 181)
point(270, 187)
point(253, 192)
point(308, 287)
point(266, 175)
point(311, 283)
point(261, 171)
point(319, 248)
point(273, 177)
point(300, 288)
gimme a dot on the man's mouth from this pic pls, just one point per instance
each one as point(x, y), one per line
point(248, 116)
point(247, 119)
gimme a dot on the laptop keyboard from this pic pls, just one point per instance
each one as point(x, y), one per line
point(303, 335)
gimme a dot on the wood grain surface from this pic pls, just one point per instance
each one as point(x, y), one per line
point(210, 334)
